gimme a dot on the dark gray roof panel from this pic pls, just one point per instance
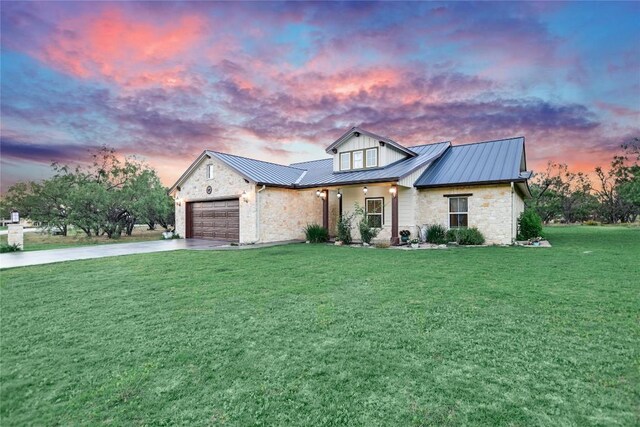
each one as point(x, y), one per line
point(259, 171)
point(490, 161)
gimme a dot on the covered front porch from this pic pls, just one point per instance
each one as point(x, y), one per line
point(380, 203)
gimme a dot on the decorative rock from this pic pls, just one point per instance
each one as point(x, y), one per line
point(338, 243)
point(365, 244)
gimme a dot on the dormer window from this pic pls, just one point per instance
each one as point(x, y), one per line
point(359, 159)
point(372, 157)
point(345, 161)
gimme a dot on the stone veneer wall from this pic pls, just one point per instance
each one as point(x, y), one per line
point(284, 213)
point(493, 209)
point(226, 183)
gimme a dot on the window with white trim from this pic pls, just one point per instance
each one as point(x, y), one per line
point(374, 211)
point(357, 159)
point(458, 212)
point(345, 161)
point(372, 157)
point(209, 171)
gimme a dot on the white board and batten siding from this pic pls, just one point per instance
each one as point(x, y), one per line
point(386, 154)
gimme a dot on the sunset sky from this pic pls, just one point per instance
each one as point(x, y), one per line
point(281, 81)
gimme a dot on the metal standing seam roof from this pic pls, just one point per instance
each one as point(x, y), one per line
point(483, 162)
point(491, 161)
point(259, 171)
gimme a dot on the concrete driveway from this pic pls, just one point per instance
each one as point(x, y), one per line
point(21, 259)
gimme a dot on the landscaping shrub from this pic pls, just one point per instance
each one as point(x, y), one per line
point(437, 234)
point(316, 233)
point(529, 225)
point(465, 236)
point(344, 229)
point(591, 222)
point(9, 248)
point(367, 233)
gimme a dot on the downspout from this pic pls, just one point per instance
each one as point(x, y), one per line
point(258, 212)
point(512, 237)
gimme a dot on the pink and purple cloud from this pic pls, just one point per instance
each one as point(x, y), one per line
point(279, 81)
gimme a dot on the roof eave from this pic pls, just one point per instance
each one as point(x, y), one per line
point(470, 183)
point(355, 129)
point(189, 170)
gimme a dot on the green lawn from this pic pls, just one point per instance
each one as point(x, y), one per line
point(309, 335)
point(36, 241)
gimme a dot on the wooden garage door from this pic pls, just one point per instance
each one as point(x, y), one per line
point(217, 220)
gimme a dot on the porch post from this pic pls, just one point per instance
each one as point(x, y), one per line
point(395, 240)
point(325, 209)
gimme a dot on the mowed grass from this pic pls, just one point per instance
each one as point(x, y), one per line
point(304, 335)
point(37, 241)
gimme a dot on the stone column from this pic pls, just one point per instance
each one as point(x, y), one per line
point(15, 235)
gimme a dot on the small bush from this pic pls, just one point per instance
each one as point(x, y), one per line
point(4, 248)
point(591, 222)
point(383, 245)
point(316, 233)
point(529, 225)
point(344, 229)
point(367, 233)
point(465, 236)
point(436, 234)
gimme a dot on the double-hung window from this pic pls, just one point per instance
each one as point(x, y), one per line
point(345, 161)
point(374, 210)
point(357, 159)
point(209, 171)
point(371, 158)
point(458, 212)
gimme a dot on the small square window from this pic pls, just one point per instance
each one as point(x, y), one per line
point(209, 171)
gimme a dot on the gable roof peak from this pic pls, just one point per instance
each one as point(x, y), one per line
point(359, 131)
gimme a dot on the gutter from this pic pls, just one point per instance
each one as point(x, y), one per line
point(471, 183)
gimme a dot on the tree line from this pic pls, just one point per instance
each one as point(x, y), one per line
point(562, 195)
point(108, 197)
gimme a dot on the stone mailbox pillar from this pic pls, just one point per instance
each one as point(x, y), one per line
point(15, 235)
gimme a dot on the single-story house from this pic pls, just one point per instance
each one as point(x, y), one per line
point(484, 185)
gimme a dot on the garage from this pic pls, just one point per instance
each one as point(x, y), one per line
point(214, 220)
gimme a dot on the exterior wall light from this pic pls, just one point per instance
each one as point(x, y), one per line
point(317, 193)
point(178, 201)
point(245, 197)
point(365, 189)
point(339, 195)
point(393, 190)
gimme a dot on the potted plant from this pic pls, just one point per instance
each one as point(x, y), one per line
point(415, 243)
point(404, 235)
